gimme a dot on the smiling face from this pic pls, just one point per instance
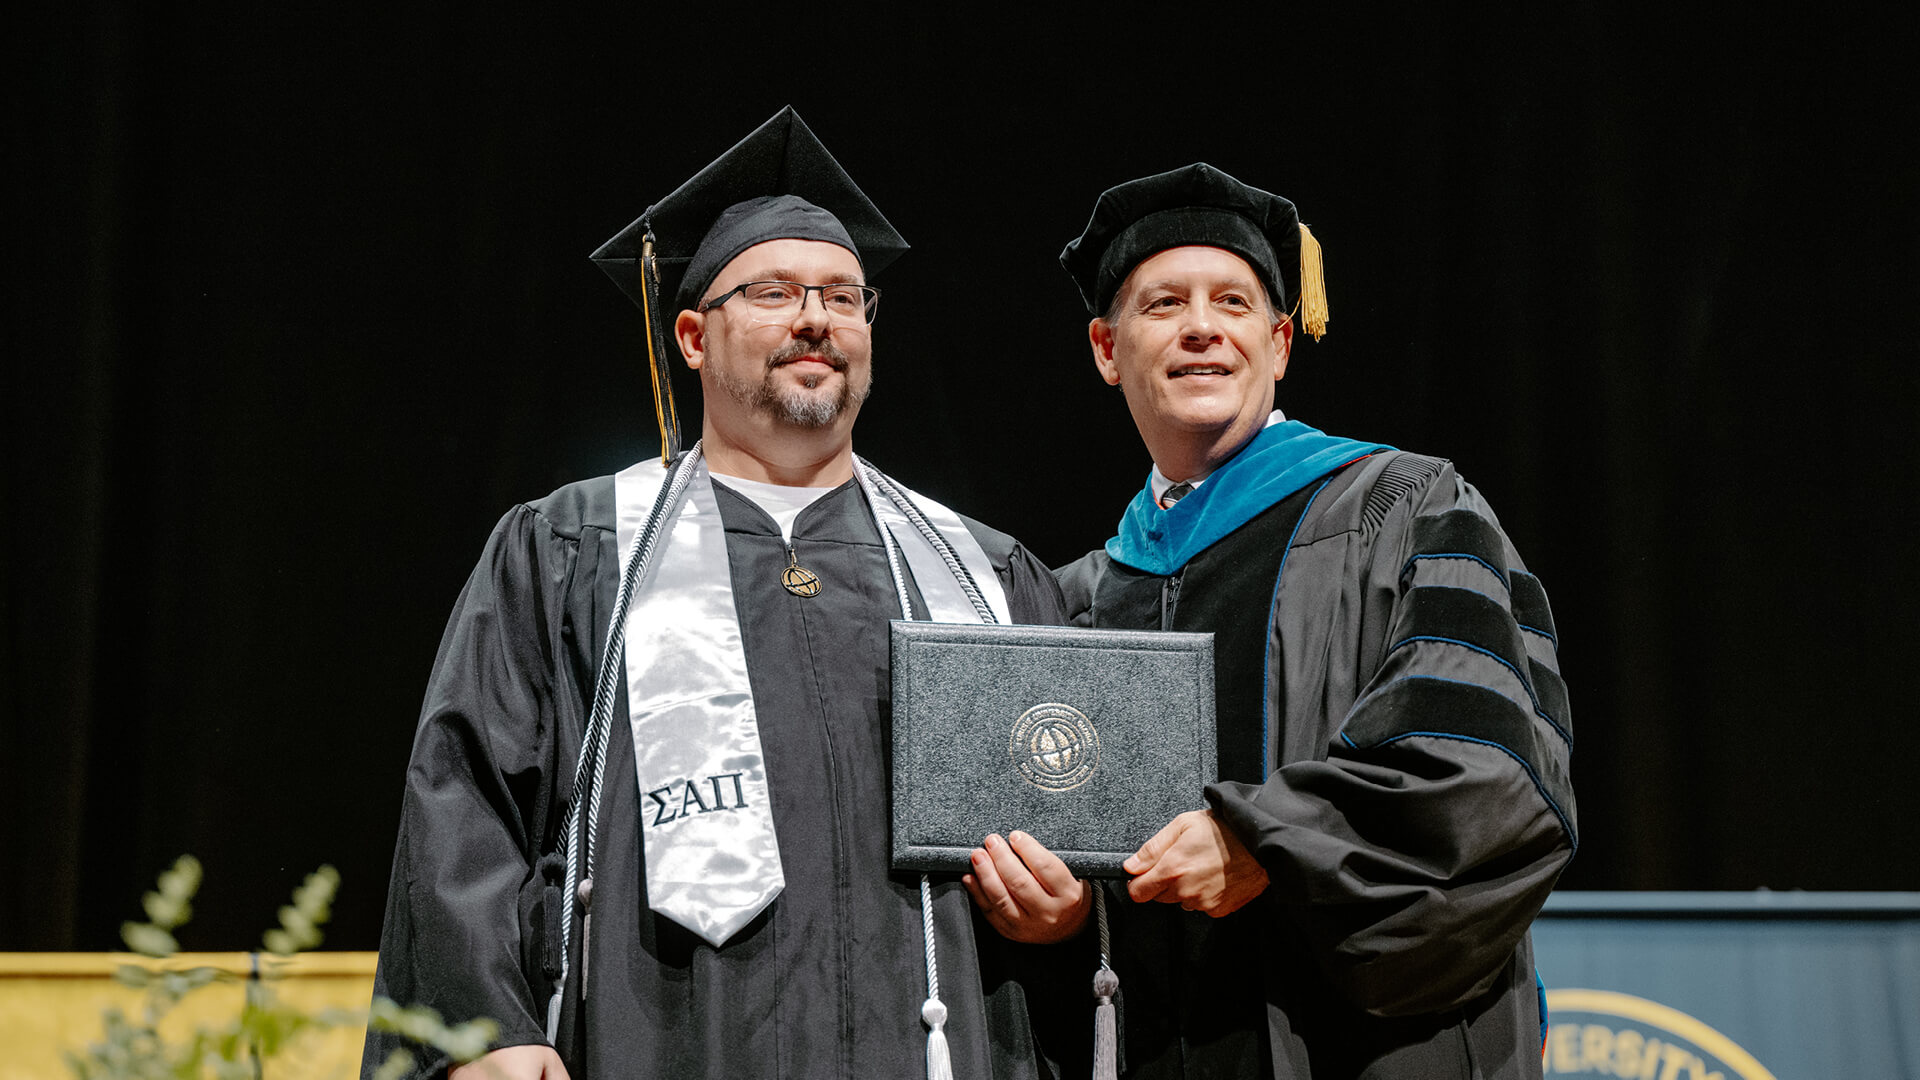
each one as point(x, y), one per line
point(801, 373)
point(1195, 346)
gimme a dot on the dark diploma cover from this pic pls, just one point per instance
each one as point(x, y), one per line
point(1089, 740)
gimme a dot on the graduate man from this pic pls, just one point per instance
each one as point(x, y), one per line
point(1393, 730)
point(644, 824)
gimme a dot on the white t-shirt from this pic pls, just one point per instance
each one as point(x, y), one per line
point(783, 504)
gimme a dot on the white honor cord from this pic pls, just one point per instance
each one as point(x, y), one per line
point(591, 768)
point(957, 580)
point(933, 1011)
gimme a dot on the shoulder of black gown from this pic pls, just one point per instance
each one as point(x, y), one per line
point(1033, 597)
point(1079, 581)
point(576, 506)
point(1362, 495)
point(998, 545)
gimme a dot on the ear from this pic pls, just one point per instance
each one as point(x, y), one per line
point(690, 330)
point(1282, 347)
point(1100, 336)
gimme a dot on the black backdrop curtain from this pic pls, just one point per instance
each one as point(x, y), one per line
point(299, 304)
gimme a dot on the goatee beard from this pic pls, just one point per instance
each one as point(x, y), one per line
point(794, 404)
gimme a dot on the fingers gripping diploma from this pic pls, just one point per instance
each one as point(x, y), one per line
point(1026, 892)
point(1197, 863)
point(514, 1063)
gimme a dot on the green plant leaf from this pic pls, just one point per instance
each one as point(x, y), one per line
point(182, 880)
point(398, 1064)
point(264, 1028)
point(148, 940)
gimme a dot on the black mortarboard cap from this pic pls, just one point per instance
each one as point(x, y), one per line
point(777, 183)
point(1196, 205)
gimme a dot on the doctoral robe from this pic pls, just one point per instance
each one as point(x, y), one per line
point(1394, 743)
point(828, 981)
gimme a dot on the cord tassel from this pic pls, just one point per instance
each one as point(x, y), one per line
point(1106, 984)
point(1106, 1030)
point(939, 1061)
point(1313, 285)
point(933, 1011)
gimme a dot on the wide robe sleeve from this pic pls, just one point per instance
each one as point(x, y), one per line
point(487, 777)
point(1411, 852)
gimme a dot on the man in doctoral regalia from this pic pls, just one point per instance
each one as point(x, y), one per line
point(644, 825)
point(1393, 730)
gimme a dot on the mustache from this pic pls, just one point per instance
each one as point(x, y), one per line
point(795, 350)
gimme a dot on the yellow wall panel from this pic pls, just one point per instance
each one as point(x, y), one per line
point(51, 1002)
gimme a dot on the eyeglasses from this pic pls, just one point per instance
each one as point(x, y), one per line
point(774, 300)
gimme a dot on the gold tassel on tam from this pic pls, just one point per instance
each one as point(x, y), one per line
point(1313, 285)
point(663, 409)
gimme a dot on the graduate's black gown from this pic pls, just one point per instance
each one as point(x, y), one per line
point(828, 981)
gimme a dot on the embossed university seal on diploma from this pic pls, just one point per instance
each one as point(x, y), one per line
point(1054, 747)
point(1090, 740)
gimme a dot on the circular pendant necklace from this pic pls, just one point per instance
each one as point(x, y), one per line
point(797, 579)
